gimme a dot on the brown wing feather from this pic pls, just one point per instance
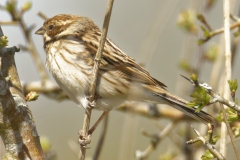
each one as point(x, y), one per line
point(125, 66)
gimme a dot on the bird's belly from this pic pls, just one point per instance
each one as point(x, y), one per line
point(71, 79)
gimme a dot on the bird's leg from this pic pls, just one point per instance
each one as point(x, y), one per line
point(83, 141)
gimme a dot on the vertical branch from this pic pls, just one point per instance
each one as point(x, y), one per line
point(17, 128)
point(87, 116)
point(228, 70)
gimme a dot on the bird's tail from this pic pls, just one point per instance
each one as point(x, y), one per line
point(181, 105)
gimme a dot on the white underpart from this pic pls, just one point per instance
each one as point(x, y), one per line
point(64, 73)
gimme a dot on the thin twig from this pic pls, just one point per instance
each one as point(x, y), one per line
point(8, 23)
point(87, 117)
point(216, 97)
point(230, 132)
point(221, 30)
point(155, 141)
point(43, 16)
point(17, 17)
point(101, 139)
point(211, 148)
point(50, 90)
point(32, 50)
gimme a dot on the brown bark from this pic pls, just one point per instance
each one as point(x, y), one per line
point(17, 128)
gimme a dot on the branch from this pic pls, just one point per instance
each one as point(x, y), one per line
point(50, 89)
point(207, 144)
point(156, 139)
point(17, 128)
point(154, 111)
point(43, 16)
point(228, 70)
point(216, 97)
point(230, 133)
point(101, 139)
point(87, 117)
point(147, 110)
point(219, 31)
point(8, 23)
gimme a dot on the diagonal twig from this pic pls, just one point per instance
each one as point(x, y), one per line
point(101, 139)
point(230, 132)
point(210, 147)
point(156, 139)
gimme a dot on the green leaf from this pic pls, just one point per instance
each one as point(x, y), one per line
point(187, 21)
point(206, 32)
point(200, 17)
point(3, 41)
point(219, 117)
point(214, 139)
point(200, 98)
point(207, 155)
point(231, 114)
point(184, 65)
point(193, 77)
point(200, 41)
point(212, 53)
point(233, 85)
point(236, 34)
point(10, 6)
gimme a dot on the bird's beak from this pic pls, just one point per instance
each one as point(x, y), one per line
point(40, 31)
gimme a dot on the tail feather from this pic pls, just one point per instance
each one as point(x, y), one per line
point(181, 105)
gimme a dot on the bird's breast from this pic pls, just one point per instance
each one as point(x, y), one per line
point(69, 70)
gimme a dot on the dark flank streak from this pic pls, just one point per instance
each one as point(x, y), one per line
point(57, 63)
point(66, 48)
point(64, 58)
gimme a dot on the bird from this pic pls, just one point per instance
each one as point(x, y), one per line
point(71, 43)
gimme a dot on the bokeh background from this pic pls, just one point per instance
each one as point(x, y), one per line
point(146, 31)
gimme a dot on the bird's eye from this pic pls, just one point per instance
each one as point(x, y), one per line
point(50, 27)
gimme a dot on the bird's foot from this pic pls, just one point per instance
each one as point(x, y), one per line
point(84, 140)
point(92, 101)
